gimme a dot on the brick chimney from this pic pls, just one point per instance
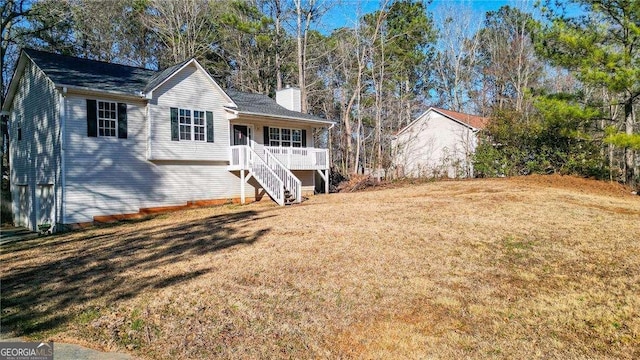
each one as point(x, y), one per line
point(289, 98)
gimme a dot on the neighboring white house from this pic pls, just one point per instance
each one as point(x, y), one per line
point(439, 143)
point(90, 140)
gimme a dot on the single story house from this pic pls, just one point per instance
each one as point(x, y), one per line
point(92, 140)
point(439, 143)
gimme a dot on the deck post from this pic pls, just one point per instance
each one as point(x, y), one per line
point(242, 186)
point(326, 182)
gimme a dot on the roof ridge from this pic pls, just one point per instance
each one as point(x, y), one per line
point(476, 121)
point(27, 49)
point(457, 112)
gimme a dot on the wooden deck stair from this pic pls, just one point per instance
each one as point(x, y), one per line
point(278, 181)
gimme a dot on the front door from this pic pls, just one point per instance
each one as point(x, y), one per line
point(241, 135)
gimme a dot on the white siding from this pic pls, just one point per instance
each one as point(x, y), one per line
point(435, 146)
point(35, 159)
point(107, 176)
point(259, 130)
point(307, 180)
point(188, 89)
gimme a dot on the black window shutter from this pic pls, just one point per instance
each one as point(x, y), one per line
point(92, 118)
point(209, 126)
point(265, 136)
point(304, 138)
point(175, 127)
point(122, 120)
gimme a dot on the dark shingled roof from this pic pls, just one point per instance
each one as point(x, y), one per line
point(263, 104)
point(99, 75)
point(73, 71)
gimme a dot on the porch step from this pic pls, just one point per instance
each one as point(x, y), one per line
point(289, 198)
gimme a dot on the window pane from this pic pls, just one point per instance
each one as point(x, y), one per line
point(286, 134)
point(185, 124)
point(198, 125)
point(107, 115)
point(274, 134)
point(296, 135)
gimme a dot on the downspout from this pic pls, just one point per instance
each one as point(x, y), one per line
point(147, 104)
point(63, 161)
point(329, 159)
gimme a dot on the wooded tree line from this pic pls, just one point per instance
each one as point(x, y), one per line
point(561, 85)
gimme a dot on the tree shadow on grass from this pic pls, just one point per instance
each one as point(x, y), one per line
point(118, 264)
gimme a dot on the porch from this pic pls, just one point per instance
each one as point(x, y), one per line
point(272, 166)
point(292, 158)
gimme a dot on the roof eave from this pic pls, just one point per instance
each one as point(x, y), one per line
point(197, 64)
point(404, 129)
point(85, 90)
point(282, 117)
point(15, 80)
point(454, 119)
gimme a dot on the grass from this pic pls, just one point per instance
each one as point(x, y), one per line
point(507, 268)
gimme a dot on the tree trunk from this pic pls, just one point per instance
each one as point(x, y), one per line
point(300, 58)
point(629, 153)
point(278, 65)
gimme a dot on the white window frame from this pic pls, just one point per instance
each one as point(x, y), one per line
point(107, 125)
point(278, 137)
point(199, 125)
point(274, 136)
point(184, 123)
point(196, 127)
point(293, 140)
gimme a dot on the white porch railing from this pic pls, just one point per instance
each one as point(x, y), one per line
point(269, 172)
point(269, 180)
point(300, 158)
point(240, 157)
point(291, 182)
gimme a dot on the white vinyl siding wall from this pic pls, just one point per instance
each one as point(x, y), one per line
point(35, 160)
point(435, 145)
point(188, 89)
point(108, 176)
point(307, 179)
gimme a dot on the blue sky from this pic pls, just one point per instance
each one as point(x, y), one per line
point(348, 11)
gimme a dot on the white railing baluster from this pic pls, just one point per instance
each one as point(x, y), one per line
point(300, 158)
point(291, 182)
point(244, 158)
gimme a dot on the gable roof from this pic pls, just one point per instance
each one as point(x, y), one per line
point(129, 80)
point(474, 122)
point(161, 76)
point(91, 74)
point(263, 105)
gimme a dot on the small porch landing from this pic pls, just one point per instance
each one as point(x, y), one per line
point(271, 167)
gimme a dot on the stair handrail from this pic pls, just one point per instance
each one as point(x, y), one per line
point(291, 182)
point(265, 175)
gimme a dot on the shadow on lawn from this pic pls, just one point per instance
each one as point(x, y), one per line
point(75, 271)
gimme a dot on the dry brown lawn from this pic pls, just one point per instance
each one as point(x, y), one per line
point(537, 267)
